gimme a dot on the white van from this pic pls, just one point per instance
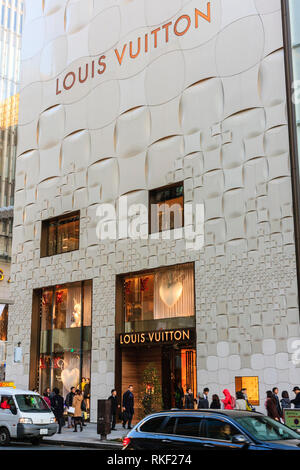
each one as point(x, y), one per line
point(24, 416)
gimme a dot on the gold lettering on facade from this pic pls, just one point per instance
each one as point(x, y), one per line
point(185, 334)
point(151, 335)
point(155, 337)
point(177, 335)
point(127, 339)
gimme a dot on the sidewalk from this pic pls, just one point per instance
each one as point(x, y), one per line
point(88, 437)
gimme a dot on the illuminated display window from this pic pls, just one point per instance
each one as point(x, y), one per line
point(166, 208)
point(60, 235)
point(251, 386)
point(65, 335)
point(160, 298)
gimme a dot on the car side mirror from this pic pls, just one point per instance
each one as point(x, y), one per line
point(13, 409)
point(240, 439)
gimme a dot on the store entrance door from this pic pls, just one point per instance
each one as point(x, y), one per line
point(174, 366)
point(178, 371)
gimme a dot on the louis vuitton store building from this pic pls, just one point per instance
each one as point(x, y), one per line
point(180, 106)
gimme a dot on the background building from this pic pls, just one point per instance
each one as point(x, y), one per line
point(11, 20)
point(156, 102)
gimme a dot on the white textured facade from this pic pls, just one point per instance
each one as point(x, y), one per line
point(207, 107)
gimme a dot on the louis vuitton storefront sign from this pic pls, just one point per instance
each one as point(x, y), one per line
point(155, 337)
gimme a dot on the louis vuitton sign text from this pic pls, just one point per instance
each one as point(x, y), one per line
point(133, 49)
point(155, 337)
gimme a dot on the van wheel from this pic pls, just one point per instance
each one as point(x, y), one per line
point(4, 437)
point(35, 441)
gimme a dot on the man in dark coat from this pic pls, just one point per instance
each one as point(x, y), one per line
point(296, 401)
point(114, 407)
point(189, 400)
point(69, 403)
point(128, 407)
point(57, 405)
point(203, 400)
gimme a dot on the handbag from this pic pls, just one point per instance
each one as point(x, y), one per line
point(71, 410)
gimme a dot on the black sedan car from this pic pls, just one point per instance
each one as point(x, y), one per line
point(188, 430)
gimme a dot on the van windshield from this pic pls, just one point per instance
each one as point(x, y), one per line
point(32, 404)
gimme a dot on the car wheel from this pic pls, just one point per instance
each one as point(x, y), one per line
point(36, 441)
point(4, 437)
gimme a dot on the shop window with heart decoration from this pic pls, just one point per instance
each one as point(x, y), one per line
point(163, 293)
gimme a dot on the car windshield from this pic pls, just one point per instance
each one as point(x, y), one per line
point(266, 429)
point(32, 403)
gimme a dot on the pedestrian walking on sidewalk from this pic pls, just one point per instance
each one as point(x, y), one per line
point(77, 401)
point(203, 399)
point(285, 400)
point(83, 411)
point(57, 405)
point(296, 401)
point(114, 408)
point(275, 395)
point(86, 394)
point(46, 398)
point(240, 403)
point(228, 401)
point(189, 400)
point(69, 404)
point(249, 407)
point(215, 404)
point(128, 407)
point(271, 406)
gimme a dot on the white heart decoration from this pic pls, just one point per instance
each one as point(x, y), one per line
point(70, 377)
point(170, 294)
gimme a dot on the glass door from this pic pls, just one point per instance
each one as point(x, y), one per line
point(178, 374)
point(188, 370)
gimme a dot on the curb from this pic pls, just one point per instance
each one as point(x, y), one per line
point(91, 445)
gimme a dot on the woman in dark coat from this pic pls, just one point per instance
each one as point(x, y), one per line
point(57, 404)
point(285, 400)
point(215, 404)
point(271, 406)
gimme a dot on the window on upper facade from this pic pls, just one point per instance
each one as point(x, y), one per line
point(166, 208)
point(60, 235)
